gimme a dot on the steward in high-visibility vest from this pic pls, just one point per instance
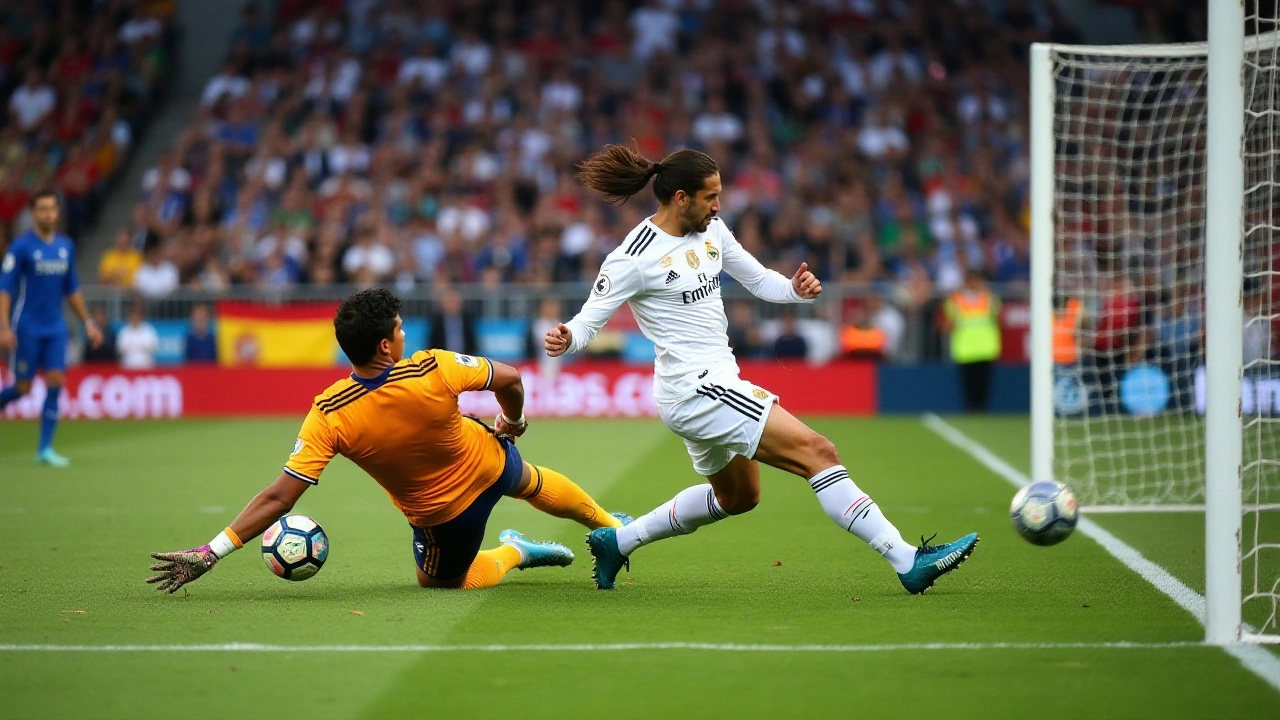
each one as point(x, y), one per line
point(972, 313)
point(1066, 324)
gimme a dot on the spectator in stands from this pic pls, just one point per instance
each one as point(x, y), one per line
point(137, 341)
point(972, 322)
point(860, 339)
point(120, 264)
point(201, 343)
point(158, 276)
point(32, 103)
point(790, 344)
point(453, 328)
point(888, 319)
point(106, 351)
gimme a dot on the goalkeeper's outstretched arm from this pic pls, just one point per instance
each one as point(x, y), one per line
point(175, 569)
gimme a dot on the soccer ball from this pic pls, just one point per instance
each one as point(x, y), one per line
point(1044, 512)
point(295, 547)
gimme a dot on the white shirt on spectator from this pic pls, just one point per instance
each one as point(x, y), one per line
point(655, 30)
point(853, 74)
point(561, 96)
point(886, 63)
point(890, 320)
point(294, 246)
point(770, 40)
point(140, 29)
point(875, 141)
point(468, 221)
point(971, 108)
point(472, 57)
point(725, 126)
point(179, 179)
point(429, 71)
point(156, 280)
point(349, 158)
point(224, 84)
point(137, 345)
point(377, 257)
point(32, 105)
point(576, 239)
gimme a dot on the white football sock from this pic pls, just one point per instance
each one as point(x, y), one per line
point(856, 512)
point(689, 510)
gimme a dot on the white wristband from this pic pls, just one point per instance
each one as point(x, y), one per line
point(222, 545)
point(509, 421)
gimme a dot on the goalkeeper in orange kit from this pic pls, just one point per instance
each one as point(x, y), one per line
point(398, 420)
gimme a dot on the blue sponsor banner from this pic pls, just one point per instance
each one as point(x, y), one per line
point(503, 339)
point(935, 387)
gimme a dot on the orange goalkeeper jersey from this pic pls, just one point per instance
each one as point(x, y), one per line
point(403, 428)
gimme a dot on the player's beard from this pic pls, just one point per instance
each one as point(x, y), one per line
point(692, 223)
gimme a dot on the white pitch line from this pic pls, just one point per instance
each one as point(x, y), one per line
point(610, 647)
point(1258, 660)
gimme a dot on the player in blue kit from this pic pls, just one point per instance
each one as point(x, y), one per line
point(37, 272)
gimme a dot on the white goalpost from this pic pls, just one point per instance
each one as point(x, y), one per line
point(1155, 229)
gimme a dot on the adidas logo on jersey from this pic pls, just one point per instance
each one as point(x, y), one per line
point(672, 276)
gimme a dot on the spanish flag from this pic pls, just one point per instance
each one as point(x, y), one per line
point(295, 335)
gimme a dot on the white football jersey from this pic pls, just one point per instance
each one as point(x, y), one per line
point(673, 287)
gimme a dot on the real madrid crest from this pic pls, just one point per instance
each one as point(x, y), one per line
point(712, 252)
point(760, 394)
point(691, 257)
point(665, 262)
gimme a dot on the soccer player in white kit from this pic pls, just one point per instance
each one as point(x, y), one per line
point(668, 268)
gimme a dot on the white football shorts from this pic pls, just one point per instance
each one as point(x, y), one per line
point(725, 418)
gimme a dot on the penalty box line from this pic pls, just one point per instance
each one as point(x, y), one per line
point(608, 647)
point(1256, 659)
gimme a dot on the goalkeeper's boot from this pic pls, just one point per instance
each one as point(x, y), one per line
point(608, 559)
point(934, 561)
point(534, 553)
point(623, 518)
point(48, 457)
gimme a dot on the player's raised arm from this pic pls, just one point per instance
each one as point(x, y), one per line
point(762, 282)
point(618, 281)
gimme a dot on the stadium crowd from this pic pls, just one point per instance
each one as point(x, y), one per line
point(412, 143)
point(79, 79)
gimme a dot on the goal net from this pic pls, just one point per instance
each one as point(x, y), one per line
point(1119, 378)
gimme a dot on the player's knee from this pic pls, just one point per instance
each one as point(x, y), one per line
point(822, 453)
point(741, 501)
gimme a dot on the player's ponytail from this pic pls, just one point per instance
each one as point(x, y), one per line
point(618, 172)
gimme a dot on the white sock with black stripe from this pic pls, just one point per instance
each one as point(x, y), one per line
point(689, 510)
point(855, 511)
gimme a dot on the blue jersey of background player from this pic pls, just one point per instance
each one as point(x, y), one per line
point(36, 273)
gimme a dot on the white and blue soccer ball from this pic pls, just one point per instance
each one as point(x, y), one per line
point(295, 547)
point(1044, 512)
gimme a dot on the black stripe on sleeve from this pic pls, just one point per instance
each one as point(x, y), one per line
point(300, 476)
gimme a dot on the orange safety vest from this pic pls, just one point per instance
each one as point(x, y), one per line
point(1065, 324)
point(856, 341)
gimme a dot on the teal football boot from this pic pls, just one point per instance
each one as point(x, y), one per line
point(608, 559)
point(934, 561)
point(48, 457)
point(534, 553)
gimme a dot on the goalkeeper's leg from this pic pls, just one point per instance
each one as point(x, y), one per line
point(555, 494)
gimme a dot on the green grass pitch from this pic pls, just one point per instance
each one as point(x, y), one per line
point(73, 557)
